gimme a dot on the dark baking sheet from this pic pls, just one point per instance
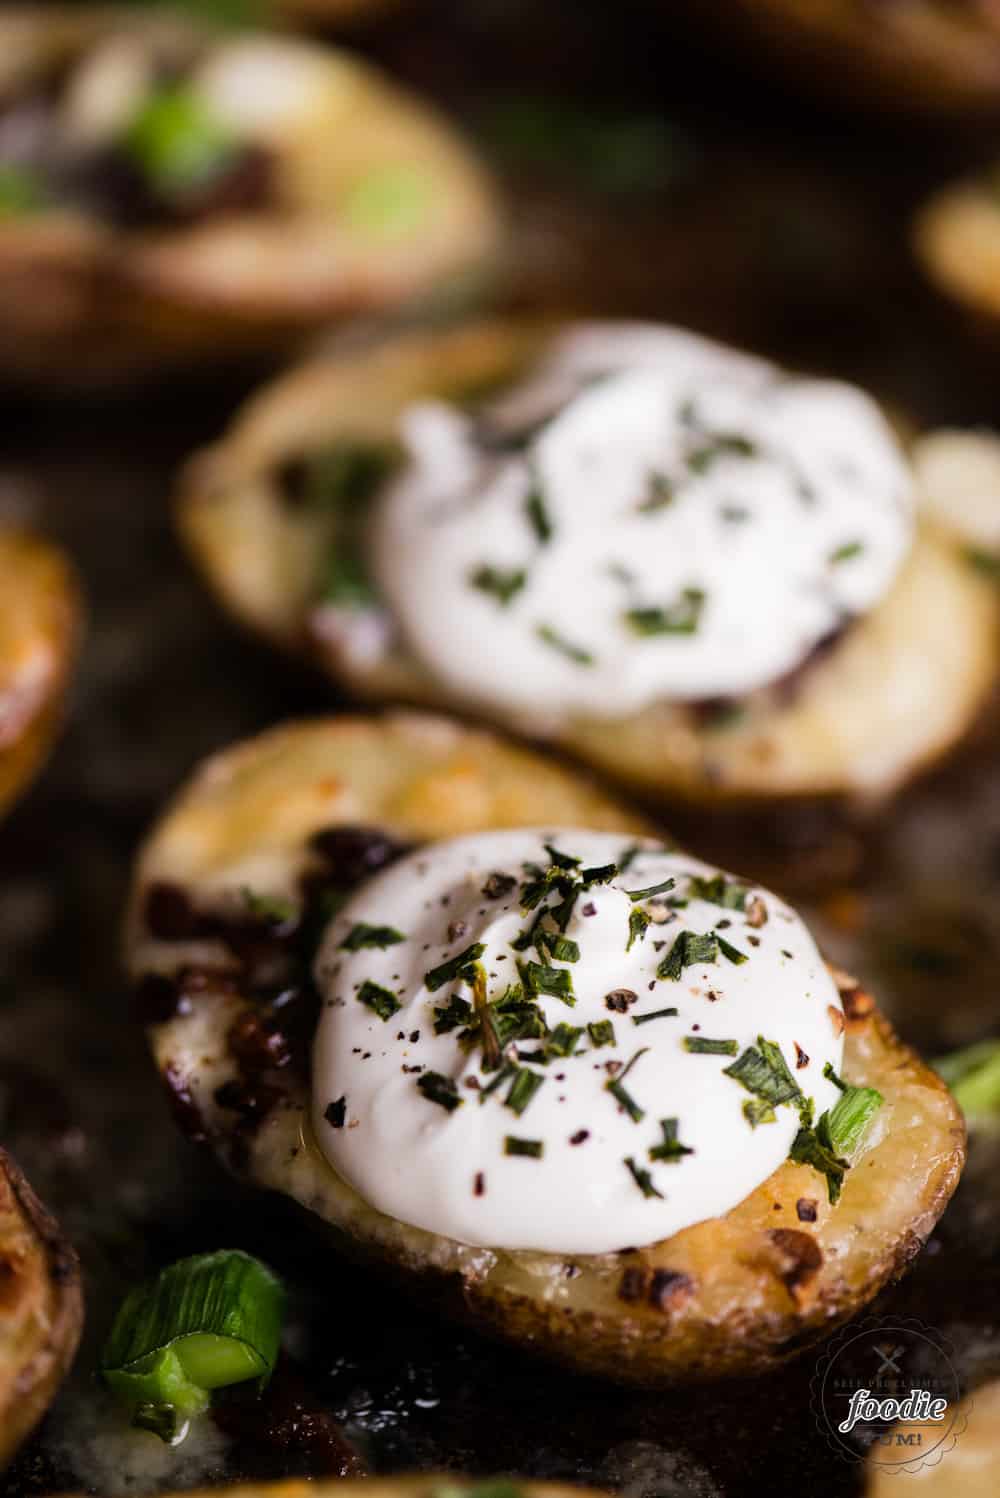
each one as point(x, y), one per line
point(646, 179)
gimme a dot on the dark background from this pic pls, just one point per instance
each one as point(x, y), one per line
point(645, 177)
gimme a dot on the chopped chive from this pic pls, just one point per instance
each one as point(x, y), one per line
point(563, 1040)
point(501, 583)
point(847, 1121)
point(732, 954)
point(454, 967)
point(562, 860)
point(808, 1149)
point(659, 494)
point(575, 653)
point(700, 1045)
point(718, 890)
point(757, 1111)
point(688, 948)
point(625, 1099)
point(271, 908)
point(601, 1032)
point(382, 1000)
point(537, 513)
point(650, 890)
point(679, 618)
point(562, 948)
point(522, 1089)
point(454, 1015)
point(627, 857)
point(832, 1076)
point(505, 1073)
point(642, 1178)
point(643, 1019)
point(437, 1088)
point(600, 874)
point(720, 445)
point(762, 1070)
point(363, 935)
point(638, 925)
point(670, 1148)
point(531, 1149)
point(555, 981)
point(846, 553)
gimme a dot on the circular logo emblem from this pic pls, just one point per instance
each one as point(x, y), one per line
point(886, 1389)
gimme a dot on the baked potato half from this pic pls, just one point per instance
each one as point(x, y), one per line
point(913, 57)
point(169, 193)
point(41, 1308)
point(40, 621)
point(833, 732)
point(311, 809)
point(967, 1468)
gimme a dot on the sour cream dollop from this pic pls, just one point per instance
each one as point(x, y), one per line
point(592, 1117)
point(650, 517)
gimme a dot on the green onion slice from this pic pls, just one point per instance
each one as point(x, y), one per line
point(202, 1324)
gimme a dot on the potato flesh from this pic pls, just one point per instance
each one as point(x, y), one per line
point(730, 1295)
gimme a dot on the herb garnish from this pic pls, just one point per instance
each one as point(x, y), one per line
point(522, 1089)
point(437, 1088)
point(450, 1016)
point(756, 1111)
point(503, 583)
point(363, 935)
point(555, 981)
point(638, 925)
point(719, 890)
point(671, 1147)
point(700, 1045)
point(455, 967)
point(837, 1134)
point(643, 1019)
point(382, 1000)
point(762, 1070)
point(659, 494)
point(720, 445)
point(693, 946)
point(681, 617)
point(846, 553)
point(642, 1178)
point(562, 948)
point(601, 1032)
point(650, 890)
point(575, 653)
point(532, 1149)
point(618, 1091)
point(271, 908)
point(563, 1040)
point(538, 516)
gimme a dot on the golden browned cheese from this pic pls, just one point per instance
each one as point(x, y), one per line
point(733, 1295)
point(41, 1307)
point(838, 733)
point(968, 1468)
point(914, 57)
point(84, 302)
point(39, 628)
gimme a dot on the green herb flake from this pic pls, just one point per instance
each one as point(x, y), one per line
point(530, 1149)
point(557, 982)
point(601, 1032)
point(363, 935)
point(832, 1076)
point(808, 1149)
point(762, 1070)
point(638, 925)
point(381, 1000)
point(644, 1019)
point(670, 1148)
point(455, 967)
point(660, 493)
point(679, 618)
point(454, 1015)
point(718, 890)
point(501, 583)
point(561, 948)
point(617, 1089)
point(650, 890)
point(689, 948)
point(563, 1040)
point(642, 1178)
point(848, 1120)
point(730, 953)
point(273, 909)
point(537, 514)
point(176, 142)
point(756, 1111)
point(720, 445)
point(701, 1045)
point(522, 1089)
point(437, 1088)
point(846, 553)
point(575, 653)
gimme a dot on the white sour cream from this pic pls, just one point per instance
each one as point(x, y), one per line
point(448, 1168)
point(684, 523)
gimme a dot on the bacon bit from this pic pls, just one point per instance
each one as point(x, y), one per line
point(801, 1059)
point(836, 1019)
point(799, 1259)
point(756, 912)
point(669, 1289)
point(805, 1209)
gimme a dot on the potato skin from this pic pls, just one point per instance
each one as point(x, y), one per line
point(40, 626)
point(85, 305)
point(41, 1310)
point(967, 1468)
point(730, 1296)
point(837, 736)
